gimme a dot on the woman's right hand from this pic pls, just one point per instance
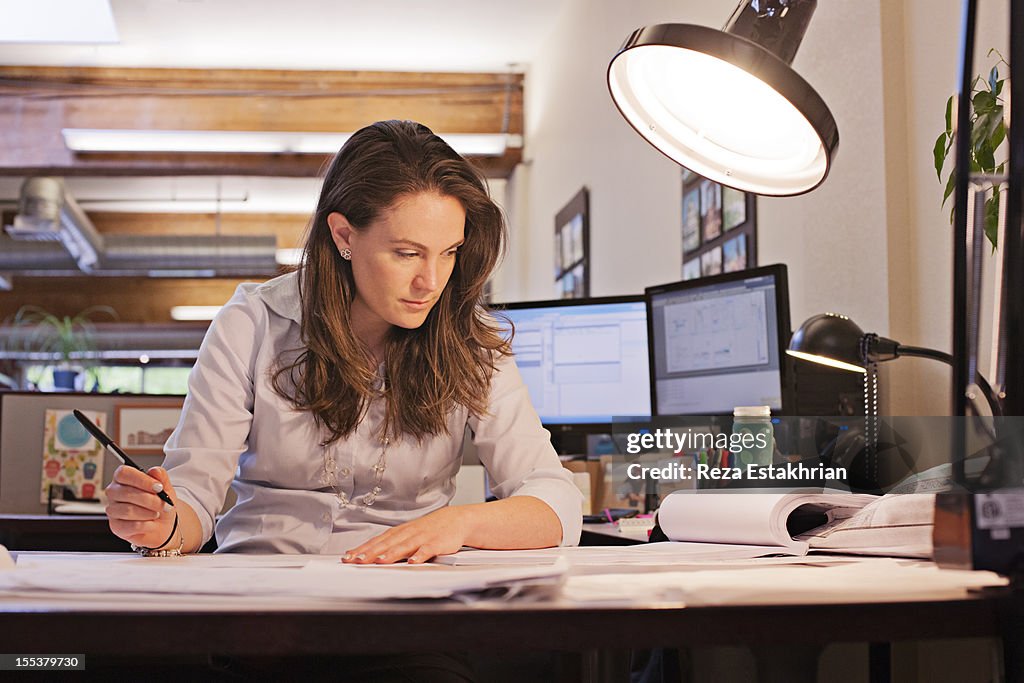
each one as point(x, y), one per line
point(135, 511)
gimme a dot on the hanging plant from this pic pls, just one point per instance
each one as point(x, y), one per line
point(988, 130)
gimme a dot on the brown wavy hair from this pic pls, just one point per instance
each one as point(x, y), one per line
point(430, 370)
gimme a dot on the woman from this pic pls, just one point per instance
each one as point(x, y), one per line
point(334, 399)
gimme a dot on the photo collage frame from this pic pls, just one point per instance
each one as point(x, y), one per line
point(719, 228)
point(572, 248)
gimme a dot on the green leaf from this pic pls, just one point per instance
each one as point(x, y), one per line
point(983, 102)
point(999, 134)
point(950, 184)
point(992, 219)
point(999, 85)
point(940, 154)
point(949, 115)
point(986, 157)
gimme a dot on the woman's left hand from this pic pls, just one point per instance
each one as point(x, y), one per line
point(439, 533)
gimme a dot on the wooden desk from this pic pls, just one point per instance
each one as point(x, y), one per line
point(242, 627)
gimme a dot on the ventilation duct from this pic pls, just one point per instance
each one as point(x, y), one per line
point(51, 235)
point(113, 341)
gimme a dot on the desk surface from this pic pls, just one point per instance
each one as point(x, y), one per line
point(249, 626)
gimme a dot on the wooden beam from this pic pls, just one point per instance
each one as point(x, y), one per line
point(37, 102)
point(135, 299)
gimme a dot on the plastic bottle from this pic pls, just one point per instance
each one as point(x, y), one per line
point(755, 421)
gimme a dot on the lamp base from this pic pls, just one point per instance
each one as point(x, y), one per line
point(980, 531)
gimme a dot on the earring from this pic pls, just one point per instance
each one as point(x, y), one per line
point(346, 254)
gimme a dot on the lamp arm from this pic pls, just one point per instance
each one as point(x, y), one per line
point(922, 352)
point(919, 351)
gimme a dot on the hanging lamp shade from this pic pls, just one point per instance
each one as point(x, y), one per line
point(726, 104)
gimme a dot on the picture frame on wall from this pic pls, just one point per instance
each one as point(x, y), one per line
point(711, 262)
point(691, 269)
point(734, 208)
point(572, 247)
point(143, 428)
point(691, 220)
point(719, 228)
point(710, 210)
point(734, 254)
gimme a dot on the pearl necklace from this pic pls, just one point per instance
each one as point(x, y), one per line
point(329, 477)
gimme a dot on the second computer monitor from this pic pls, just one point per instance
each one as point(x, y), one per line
point(719, 342)
point(584, 361)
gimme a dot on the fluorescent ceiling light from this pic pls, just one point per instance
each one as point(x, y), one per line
point(57, 21)
point(266, 142)
point(194, 312)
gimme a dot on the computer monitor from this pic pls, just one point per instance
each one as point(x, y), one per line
point(719, 342)
point(584, 361)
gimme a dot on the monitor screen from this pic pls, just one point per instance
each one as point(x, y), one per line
point(719, 342)
point(584, 361)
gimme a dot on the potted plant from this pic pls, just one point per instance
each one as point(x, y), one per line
point(71, 339)
point(988, 131)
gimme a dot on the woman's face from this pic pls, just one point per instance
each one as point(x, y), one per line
point(402, 261)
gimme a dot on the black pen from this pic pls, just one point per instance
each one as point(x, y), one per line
point(109, 444)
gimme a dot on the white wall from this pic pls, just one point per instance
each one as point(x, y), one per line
point(832, 239)
point(871, 242)
point(931, 62)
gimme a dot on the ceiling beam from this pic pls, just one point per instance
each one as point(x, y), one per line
point(37, 102)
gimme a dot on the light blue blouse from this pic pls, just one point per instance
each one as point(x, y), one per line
point(235, 430)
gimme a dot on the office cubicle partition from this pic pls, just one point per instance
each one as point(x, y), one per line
point(22, 433)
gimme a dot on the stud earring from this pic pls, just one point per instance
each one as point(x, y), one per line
point(346, 254)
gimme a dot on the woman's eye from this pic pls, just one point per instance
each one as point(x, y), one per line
point(407, 254)
point(453, 252)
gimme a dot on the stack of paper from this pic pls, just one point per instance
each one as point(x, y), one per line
point(319, 579)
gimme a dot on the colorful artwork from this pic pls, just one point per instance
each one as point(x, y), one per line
point(691, 220)
point(734, 208)
point(691, 269)
point(711, 209)
point(71, 457)
point(711, 262)
point(734, 254)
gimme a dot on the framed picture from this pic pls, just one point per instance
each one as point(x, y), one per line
point(734, 254)
point(143, 428)
point(691, 219)
point(734, 208)
point(691, 269)
point(711, 262)
point(572, 248)
point(72, 458)
point(719, 228)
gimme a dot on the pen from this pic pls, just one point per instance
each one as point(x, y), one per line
point(109, 444)
point(608, 514)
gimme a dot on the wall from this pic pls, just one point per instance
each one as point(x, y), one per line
point(872, 242)
point(831, 239)
point(931, 31)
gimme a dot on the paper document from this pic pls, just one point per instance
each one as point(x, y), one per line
point(871, 580)
point(645, 554)
point(750, 518)
point(323, 580)
point(893, 525)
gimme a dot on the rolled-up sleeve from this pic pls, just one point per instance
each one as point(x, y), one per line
point(517, 451)
point(201, 455)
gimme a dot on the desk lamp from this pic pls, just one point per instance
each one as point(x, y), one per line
point(727, 104)
point(835, 340)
